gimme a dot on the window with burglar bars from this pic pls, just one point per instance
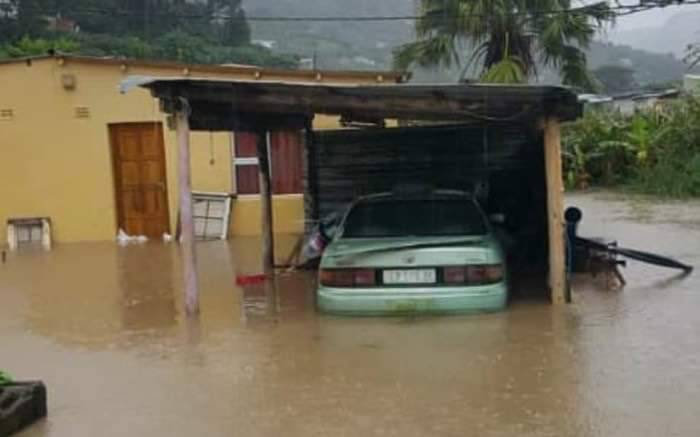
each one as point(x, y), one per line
point(286, 166)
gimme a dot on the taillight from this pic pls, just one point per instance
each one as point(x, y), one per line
point(494, 273)
point(364, 277)
point(454, 275)
point(473, 275)
point(347, 277)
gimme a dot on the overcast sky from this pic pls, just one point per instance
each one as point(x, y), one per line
point(652, 18)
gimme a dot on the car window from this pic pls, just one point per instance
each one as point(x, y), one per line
point(401, 218)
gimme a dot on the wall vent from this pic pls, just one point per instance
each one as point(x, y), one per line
point(82, 112)
point(7, 114)
point(28, 231)
point(68, 81)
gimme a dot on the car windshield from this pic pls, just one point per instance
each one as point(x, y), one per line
point(419, 218)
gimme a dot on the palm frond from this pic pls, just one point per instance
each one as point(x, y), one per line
point(508, 70)
point(438, 50)
point(573, 68)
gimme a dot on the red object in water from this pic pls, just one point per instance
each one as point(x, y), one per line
point(250, 279)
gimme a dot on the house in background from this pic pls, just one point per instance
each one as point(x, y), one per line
point(60, 24)
point(595, 101)
point(628, 103)
point(691, 84)
point(76, 151)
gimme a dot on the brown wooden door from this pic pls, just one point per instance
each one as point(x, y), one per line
point(140, 184)
point(287, 162)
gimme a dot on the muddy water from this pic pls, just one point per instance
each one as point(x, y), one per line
point(102, 326)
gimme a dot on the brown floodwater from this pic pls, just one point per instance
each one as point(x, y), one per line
point(103, 326)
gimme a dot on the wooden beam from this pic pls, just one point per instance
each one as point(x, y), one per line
point(311, 211)
point(463, 102)
point(268, 242)
point(217, 116)
point(186, 220)
point(555, 207)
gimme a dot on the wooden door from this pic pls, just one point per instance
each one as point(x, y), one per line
point(138, 157)
point(286, 148)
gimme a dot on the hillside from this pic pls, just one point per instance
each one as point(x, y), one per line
point(670, 37)
point(153, 29)
point(339, 45)
point(351, 45)
point(649, 67)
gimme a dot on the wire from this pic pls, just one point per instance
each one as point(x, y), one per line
point(617, 11)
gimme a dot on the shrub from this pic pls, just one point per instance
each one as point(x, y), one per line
point(655, 151)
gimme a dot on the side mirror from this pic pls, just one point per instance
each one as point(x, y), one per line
point(497, 219)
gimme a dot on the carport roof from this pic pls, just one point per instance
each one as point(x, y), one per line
point(225, 104)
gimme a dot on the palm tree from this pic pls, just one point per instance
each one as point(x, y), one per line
point(508, 39)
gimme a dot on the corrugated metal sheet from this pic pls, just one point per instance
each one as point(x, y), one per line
point(352, 163)
point(260, 105)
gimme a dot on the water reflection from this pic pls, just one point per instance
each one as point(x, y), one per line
point(147, 296)
point(289, 294)
point(102, 326)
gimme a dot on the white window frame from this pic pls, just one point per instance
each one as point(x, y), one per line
point(246, 161)
point(225, 220)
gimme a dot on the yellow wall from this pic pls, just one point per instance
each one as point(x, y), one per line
point(287, 215)
point(54, 164)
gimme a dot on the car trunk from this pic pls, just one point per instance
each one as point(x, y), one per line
point(410, 252)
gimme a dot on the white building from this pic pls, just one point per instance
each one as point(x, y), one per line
point(691, 84)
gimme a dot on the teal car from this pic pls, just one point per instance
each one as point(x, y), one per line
point(432, 252)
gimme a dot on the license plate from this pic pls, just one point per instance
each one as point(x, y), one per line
point(416, 276)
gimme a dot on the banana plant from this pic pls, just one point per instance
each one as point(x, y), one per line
point(640, 136)
point(576, 162)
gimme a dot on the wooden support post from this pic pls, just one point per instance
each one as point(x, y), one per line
point(311, 211)
point(268, 242)
point(186, 220)
point(555, 207)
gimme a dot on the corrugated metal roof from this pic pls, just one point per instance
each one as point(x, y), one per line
point(210, 99)
point(307, 75)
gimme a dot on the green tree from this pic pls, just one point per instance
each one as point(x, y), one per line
point(38, 46)
point(212, 31)
point(22, 17)
point(506, 35)
point(181, 47)
point(615, 78)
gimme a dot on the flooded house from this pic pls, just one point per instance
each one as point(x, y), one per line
point(500, 143)
point(87, 160)
point(91, 161)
